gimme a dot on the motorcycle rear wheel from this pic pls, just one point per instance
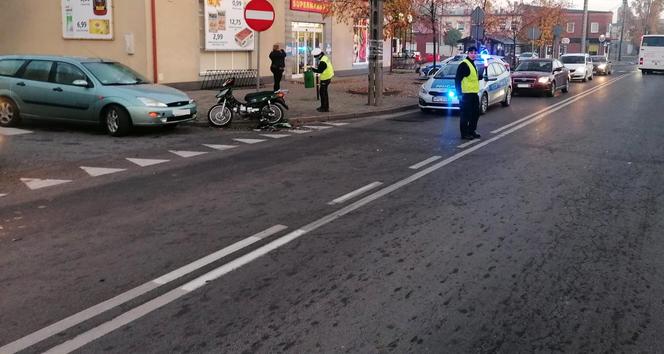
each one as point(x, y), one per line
point(218, 117)
point(273, 113)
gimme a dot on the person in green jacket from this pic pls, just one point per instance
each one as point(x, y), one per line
point(326, 72)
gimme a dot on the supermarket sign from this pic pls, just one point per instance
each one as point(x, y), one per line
point(319, 6)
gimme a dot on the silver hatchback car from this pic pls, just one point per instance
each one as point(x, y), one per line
point(87, 90)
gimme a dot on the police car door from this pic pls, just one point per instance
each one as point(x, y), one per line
point(493, 86)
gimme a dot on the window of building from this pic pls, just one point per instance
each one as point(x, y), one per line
point(360, 42)
point(594, 27)
point(570, 27)
point(429, 47)
point(461, 25)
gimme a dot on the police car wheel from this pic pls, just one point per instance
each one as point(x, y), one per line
point(484, 104)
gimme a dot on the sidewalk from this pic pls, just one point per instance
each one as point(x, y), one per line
point(402, 95)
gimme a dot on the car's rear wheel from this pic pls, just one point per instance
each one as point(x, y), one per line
point(484, 103)
point(552, 90)
point(9, 115)
point(117, 120)
point(591, 77)
point(508, 97)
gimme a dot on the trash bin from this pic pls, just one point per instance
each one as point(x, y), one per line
point(309, 79)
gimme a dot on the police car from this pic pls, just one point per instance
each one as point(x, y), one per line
point(439, 93)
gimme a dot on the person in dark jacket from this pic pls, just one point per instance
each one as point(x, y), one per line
point(278, 58)
point(467, 83)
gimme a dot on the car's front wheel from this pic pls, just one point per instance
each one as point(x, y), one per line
point(9, 115)
point(508, 97)
point(552, 90)
point(117, 120)
point(484, 103)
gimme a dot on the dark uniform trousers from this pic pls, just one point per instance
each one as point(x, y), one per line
point(324, 98)
point(470, 113)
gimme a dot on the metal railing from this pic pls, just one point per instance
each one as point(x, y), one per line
point(213, 79)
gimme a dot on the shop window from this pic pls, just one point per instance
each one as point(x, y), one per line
point(594, 27)
point(361, 42)
point(570, 27)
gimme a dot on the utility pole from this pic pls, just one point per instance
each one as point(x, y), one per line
point(376, 53)
point(584, 36)
point(646, 25)
point(622, 29)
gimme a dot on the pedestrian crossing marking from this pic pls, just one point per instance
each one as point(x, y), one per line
point(36, 183)
point(317, 127)
point(220, 147)
point(187, 153)
point(250, 141)
point(300, 131)
point(146, 162)
point(335, 124)
point(13, 131)
point(100, 171)
point(275, 136)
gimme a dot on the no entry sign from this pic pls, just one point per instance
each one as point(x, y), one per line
point(259, 15)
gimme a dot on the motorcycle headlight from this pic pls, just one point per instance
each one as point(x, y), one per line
point(150, 102)
point(543, 80)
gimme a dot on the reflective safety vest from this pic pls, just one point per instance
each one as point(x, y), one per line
point(470, 83)
point(329, 70)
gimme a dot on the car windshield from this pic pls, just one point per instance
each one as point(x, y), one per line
point(535, 65)
point(112, 73)
point(573, 59)
point(599, 58)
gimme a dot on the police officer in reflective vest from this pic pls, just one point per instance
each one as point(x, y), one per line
point(468, 83)
point(326, 72)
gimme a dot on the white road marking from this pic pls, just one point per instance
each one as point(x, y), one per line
point(36, 183)
point(425, 162)
point(220, 147)
point(100, 171)
point(147, 162)
point(316, 127)
point(335, 124)
point(300, 131)
point(171, 296)
point(13, 131)
point(467, 144)
point(187, 153)
point(275, 136)
point(3, 195)
point(250, 141)
point(129, 295)
point(355, 193)
point(579, 95)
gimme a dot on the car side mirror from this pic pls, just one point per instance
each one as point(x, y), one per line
point(557, 70)
point(81, 83)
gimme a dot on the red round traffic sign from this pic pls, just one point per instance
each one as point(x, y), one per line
point(259, 15)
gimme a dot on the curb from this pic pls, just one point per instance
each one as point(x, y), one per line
point(321, 118)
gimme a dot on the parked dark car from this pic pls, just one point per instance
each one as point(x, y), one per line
point(601, 65)
point(540, 75)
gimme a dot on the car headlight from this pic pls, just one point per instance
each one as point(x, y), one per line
point(192, 101)
point(602, 66)
point(423, 90)
point(150, 102)
point(543, 80)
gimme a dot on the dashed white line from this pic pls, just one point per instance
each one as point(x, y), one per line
point(36, 183)
point(249, 141)
point(3, 195)
point(220, 147)
point(146, 162)
point(300, 131)
point(129, 295)
point(336, 124)
point(467, 144)
point(425, 162)
point(186, 154)
point(100, 171)
point(355, 193)
point(316, 127)
point(275, 136)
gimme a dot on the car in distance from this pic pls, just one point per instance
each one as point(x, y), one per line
point(439, 93)
point(540, 75)
point(87, 90)
point(580, 66)
point(601, 65)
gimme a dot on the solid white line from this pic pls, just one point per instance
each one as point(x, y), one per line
point(355, 193)
point(335, 124)
point(158, 302)
point(465, 145)
point(317, 127)
point(582, 94)
point(13, 131)
point(131, 294)
point(425, 162)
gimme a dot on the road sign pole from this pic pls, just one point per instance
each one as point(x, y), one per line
point(258, 61)
point(259, 15)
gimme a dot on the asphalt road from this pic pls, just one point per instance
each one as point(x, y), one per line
point(541, 237)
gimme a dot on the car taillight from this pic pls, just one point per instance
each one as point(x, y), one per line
point(641, 61)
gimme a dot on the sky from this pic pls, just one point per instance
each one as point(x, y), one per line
point(598, 5)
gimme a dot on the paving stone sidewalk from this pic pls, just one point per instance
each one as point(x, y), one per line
point(302, 102)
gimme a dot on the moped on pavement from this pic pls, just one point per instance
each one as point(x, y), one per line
point(265, 106)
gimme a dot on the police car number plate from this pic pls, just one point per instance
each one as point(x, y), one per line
point(440, 99)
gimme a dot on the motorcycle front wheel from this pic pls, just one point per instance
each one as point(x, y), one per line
point(220, 116)
point(272, 114)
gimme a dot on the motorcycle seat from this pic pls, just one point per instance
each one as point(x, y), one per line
point(258, 96)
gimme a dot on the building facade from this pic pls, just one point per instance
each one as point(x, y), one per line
point(599, 24)
point(177, 41)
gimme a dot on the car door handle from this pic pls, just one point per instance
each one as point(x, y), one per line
point(57, 89)
point(20, 84)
